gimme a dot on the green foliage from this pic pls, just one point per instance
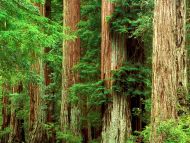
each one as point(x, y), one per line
point(132, 139)
point(49, 128)
point(132, 79)
point(89, 92)
point(175, 131)
point(24, 34)
point(89, 32)
point(172, 131)
point(38, 1)
point(95, 141)
point(5, 132)
point(145, 134)
point(132, 16)
point(92, 91)
point(68, 136)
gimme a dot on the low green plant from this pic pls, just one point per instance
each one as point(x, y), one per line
point(172, 131)
point(68, 136)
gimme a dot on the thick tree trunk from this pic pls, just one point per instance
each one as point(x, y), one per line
point(36, 112)
point(117, 117)
point(37, 115)
point(169, 66)
point(70, 113)
point(187, 37)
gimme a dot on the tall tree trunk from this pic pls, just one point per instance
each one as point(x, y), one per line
point(117, 117)
point(47, 77)
point(37, 117)
point(71, 54)
point(36, 113)
point(169, 66)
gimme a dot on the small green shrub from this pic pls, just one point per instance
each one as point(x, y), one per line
point(68, 136)
point(172, 131)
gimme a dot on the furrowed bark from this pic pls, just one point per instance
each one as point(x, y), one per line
point(169, 66)
point(117, 117)
point(70, 113)
point(181, 63)
point(37, 115)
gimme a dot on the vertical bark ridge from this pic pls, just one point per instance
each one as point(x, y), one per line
point(37, 114)
point(168, 62)
point(181, 59)
point(117, 117)
point(70, 113)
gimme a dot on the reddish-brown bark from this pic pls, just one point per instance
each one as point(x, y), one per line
point(169, 62)
point(71, 55)
point(36, 118)
point(113, 54)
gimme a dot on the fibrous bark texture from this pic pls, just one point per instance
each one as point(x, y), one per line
point(169, 62)
point(71, 55)
point(117, 117)
point(36, 112)
point(181, 64)
point(37, 115)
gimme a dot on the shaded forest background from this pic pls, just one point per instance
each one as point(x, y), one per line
point(80, 71)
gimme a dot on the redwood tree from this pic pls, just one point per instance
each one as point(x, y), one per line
point(117, 117)
point(169, 62)
point(70, 113)
point(37, 116)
